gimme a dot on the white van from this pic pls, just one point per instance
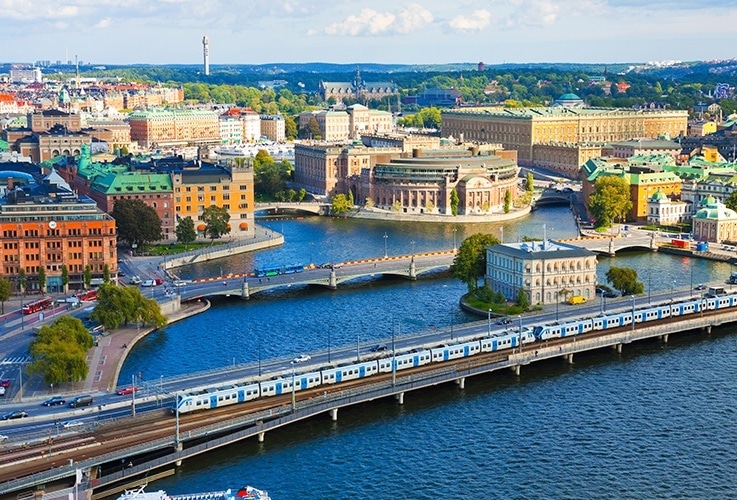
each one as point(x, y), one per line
point(148, 283)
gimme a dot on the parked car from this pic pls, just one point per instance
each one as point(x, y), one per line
point(14, 415)
point(5, 383)
point(80, 401)
point(54, 401)
point(302, 358)
point(124, 391)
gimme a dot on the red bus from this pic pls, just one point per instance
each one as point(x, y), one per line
point(87, 296)
point(39, 305)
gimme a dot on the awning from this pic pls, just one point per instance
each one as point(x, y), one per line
point(201, 227)
point(243, 225)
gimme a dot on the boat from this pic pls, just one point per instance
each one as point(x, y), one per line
point(275, 150)
point(245, 493)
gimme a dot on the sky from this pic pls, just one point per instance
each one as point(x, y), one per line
point(379, 31)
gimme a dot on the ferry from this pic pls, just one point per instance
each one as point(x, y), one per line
point(245, 493)
point(275, 150)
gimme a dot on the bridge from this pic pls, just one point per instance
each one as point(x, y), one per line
point(551, 196)
point(293, 207)
point(244, 285)
point(164, 443)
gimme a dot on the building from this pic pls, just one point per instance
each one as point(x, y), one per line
point(356, 120)
point(650, 147)
point(45, 120)
point(547, 271)
point(273, 127)
point(43, 146)
point(174, 127)
point(25, 75)
point(357, 90)
point(231, 130)
point(521, 129)
point(663, 211)
point(45, 225)
point(714, 222)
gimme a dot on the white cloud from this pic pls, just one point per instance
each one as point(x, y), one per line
point(103, 23)
point(479, 20)
point(533, 13)
point(371, 22)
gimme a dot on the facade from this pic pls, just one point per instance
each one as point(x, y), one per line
point(273, 127)
point(547, 271)
point(357, 90)
point(45, 120)
point(362, 120)
point(662, 211)
point(714, 222)
point(251, 125)
point(175, 127)
point(114, 132)
point(57, 141)
point(231, 130)
point(423, 183)
point(565, 158)
point(521, 129)
point(334, 125)
point(47, 225)
point(626, 149)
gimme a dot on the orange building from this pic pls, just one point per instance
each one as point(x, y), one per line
point(46, 226)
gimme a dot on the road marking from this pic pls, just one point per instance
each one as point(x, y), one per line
point(15, 360)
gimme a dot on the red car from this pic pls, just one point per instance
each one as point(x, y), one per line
point(5, 383)
point(127, 390)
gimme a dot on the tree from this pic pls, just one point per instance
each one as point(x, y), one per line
point(59, 351)
point(87, 276)
point(507, 201)
point(522, 299)
point(530, 183)
point(137, 223)
point(731, 201)
point(290, 128)
point(454, 201)
point(118, 306)
point(351, 201)
point(340, 204)
point(301, 194)
point(216, 221)
point(64, 276)
point(624, 279)
point(22, 281)
point(42, 279)
point(106, 273)
point(311, 130)
point(6, 288)
point(611, 200)
point(469, 264)
point(185, 231)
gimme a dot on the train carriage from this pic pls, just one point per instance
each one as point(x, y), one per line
point(500, 342)
point(456, 351)
point(404, 361)
point(350, 372)
point(304, 381)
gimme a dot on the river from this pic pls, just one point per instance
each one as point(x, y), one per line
point(651, 422)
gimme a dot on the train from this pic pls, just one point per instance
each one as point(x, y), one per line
point(386, 362)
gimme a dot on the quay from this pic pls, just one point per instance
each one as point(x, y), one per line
point(169, 449)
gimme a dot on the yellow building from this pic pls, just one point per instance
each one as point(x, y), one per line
point(522, 129)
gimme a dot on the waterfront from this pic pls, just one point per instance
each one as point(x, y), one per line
point(604, 427)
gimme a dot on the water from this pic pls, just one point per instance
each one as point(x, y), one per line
point(651, 422)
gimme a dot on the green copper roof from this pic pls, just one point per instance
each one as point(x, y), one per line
point(132, 183)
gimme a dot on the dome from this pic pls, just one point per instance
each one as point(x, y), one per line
point(716, 211)
point(569, 97)
point(708, 201)
point(659, 196)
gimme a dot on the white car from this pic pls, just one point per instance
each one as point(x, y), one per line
point(180, 283)
point(72, 424)
point(135, 280)
point(3, 438)
point(302, 358)
point(148, 283)
point(69, 300)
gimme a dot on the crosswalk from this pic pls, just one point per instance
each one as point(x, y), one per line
point(15, 360)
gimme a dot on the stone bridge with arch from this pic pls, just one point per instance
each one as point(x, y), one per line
point(293, 207)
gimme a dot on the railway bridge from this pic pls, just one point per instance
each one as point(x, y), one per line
point(169, 449)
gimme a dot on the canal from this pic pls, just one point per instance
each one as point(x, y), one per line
point(630, 425)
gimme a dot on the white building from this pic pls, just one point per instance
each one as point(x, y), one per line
point(661, 210)
point(251, 125)
point(547, 271)
point(231, 130)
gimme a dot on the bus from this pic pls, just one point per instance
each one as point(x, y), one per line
point(87, 296)
point(294, 269)
point(38, 305)
point(268, 271)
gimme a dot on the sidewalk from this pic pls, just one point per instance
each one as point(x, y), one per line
point(107, 358)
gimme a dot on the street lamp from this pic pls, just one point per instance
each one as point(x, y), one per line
point(386, 236)
point(328, 345)
point(311, 245)
point(649, 284)
point(176, 412)
point(394, 363)
point(454, 238)
point(489, 322)
point(633, 312)
point(294, 397)
point(520, 333)
point(413, 249)
point(557, 303)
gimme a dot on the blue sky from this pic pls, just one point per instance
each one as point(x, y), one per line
point(381, 31)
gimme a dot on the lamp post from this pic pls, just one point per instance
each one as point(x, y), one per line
point(133, 395)
point(386, 237)
point(176, 412)
point(413, 249)
point(690, 265)
point(454, 239)
point(394, 364)
point(328, 345)
point(557, 303)
point(489, 322)
point(259, 353)
point(294, 397)
point(520, 332)
point(649, 285)
point(633, 312)
point(161, 387)
point(311, 245)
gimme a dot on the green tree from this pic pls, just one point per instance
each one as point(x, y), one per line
point(42, 279)
point(610, 201)
point(6, 288)
point(137, 223)
point(216, 221)
point(529, 183)
point(507, 201)
point(301, 194)
point(106, 273)
point(290, 128)
point(624, 279)
point(87, 276)
point(59, 351)
point(118, 306)
point(351, 201)
point(469, 264)
point(522, 299)
point(731, 201)
point(454, 201)
point(64, 276)
point(185, 231)
point(311, 130)
point(340, 204)
point(22, 281)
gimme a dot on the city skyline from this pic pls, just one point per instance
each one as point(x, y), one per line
point(413, 32)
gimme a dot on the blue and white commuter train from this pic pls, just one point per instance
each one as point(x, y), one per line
point(246, 391)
